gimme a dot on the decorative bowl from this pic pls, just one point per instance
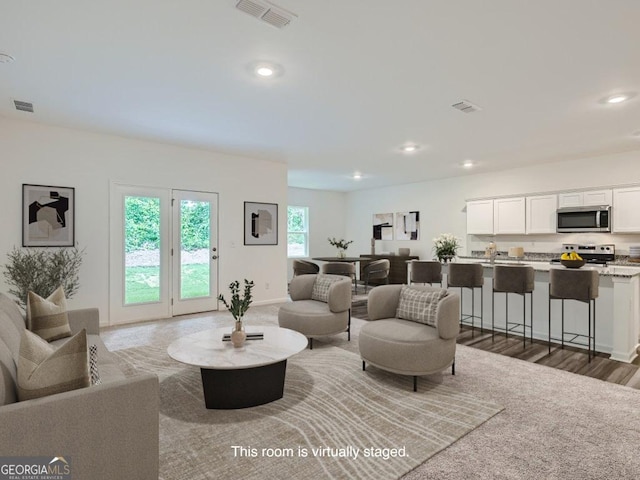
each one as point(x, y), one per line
point(573, 263)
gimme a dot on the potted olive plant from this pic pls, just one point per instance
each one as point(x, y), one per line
point(238, 306)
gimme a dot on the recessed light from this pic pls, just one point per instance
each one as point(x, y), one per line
point(617, 99)
point(468, 164)
point(409, 148)
point(6, 58)
point(266, 69)
point(357, 176)
point(636, 134)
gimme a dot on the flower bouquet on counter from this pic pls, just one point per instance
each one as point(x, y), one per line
point(446, 246)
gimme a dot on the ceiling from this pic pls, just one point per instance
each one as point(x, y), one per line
point(360, 79)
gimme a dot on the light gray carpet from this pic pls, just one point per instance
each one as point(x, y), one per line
point(555, 425)
point(329, 402)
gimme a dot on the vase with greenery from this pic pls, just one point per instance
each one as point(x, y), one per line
point(238, 306)
point(446, 246)
point(341, 245)
point(42, 271)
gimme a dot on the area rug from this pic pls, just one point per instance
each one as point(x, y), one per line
point(334, 422)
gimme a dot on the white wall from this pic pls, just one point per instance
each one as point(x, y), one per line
point(441, 204)
point(327, 218)
point(39, 154)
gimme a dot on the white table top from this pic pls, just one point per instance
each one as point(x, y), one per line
point(207, 350)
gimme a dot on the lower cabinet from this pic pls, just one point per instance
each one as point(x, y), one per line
point(397, 267)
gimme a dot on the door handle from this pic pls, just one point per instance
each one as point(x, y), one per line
point(214, 257)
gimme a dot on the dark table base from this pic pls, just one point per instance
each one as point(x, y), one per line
point(243, 387)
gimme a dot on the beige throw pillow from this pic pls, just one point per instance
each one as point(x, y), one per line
point(47, 317)
point(44, 370)
point(419, 306)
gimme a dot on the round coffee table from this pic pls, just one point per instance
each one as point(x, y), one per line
point(239, 377)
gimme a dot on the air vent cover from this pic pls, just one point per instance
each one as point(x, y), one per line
point(267, 12)
point(23, 106)
point(466, 106)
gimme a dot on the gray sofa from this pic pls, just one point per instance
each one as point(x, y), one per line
point(107, 431)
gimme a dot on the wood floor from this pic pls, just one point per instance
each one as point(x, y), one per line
point(569, 359)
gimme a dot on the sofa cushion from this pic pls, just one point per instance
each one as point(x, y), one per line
point(47, 317)
point(12, 324)
point(321, 287)
point(419, 305)
point(44, 370)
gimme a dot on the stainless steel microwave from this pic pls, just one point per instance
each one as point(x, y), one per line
point(584, 219)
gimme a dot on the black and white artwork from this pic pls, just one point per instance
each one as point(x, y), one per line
point(260, 223)
point(407, 225)
point(383, 226)
point(48, 216)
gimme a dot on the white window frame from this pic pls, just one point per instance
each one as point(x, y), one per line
point(305, 232)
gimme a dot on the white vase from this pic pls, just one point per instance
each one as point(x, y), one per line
point(238, 336)
point(341, 253)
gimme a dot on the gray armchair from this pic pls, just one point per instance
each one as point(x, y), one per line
point(376, 270)
point(304, 267)
point(320, 306)
point(409, 347)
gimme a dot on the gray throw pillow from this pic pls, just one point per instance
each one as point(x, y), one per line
point(419, 305)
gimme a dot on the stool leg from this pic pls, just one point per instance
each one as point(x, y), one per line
point(594, 327)
point(549, 342)
point(493, 315)
point(531, 315)
point(481, 309)
point(506, 315)
point(562, 333)
point(364, 366)
point(415, 383)
point(473, 311)
point(524, 321)
point(461, 304)
point(589, 337)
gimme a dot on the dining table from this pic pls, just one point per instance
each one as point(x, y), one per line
point(345, 260)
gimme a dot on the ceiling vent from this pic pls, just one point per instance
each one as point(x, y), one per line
point(466, 106)
point(267, 12)
point(23, 106)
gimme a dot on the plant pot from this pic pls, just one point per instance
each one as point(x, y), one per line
point(238, 336)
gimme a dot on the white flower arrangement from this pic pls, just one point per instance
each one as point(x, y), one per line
point(446, 246)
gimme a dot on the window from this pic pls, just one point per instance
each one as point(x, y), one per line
point(297, 231)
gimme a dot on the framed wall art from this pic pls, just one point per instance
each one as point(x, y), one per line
point(407, 225)
point(260, 223)
point(48, 216)
point(383, 226)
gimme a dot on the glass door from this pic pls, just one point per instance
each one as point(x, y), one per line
point(194, 252)
point(163, 253)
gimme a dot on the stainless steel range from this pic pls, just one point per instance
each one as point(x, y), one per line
point(594, 254)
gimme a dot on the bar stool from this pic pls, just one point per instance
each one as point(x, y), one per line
point(468, 275)
point(580, 285)
point(517, 279)
point(426, 272)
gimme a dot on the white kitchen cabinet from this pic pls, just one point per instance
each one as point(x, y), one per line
point(626, 210)
point(509, 215)
point(541, 213)
point(585, 198)
point(480, 217)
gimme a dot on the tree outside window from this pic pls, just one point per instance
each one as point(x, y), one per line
point(297, 231)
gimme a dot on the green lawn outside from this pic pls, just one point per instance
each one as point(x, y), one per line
point(143, 283)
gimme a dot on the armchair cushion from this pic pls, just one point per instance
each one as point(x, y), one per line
point(43, 370)
point(419, 305)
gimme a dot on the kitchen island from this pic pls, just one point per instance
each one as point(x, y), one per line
point(617, 306)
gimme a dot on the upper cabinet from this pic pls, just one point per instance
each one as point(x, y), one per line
point(480, 217)
point(541, 213)
point(585, 198)
point(509, 215)
point(626, 214)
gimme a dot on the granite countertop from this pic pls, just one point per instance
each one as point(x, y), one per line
point(612, 269)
